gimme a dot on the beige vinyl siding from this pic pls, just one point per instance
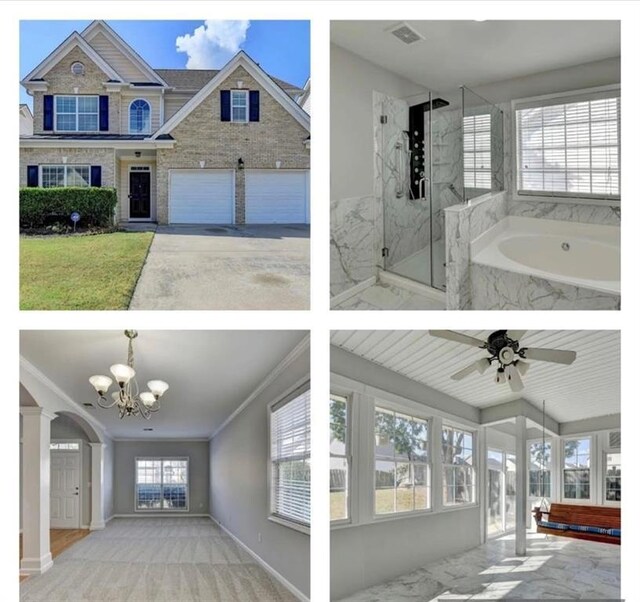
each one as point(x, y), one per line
point(125, 68)
point(154, 101)
point(174, 101)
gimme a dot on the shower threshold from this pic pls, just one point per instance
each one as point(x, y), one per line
point(410, 284)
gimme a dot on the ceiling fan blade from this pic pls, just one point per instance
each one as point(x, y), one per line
point(513, 378)
point(558, 356)
point(516, 335)
point(460, 374)
point(457, 337)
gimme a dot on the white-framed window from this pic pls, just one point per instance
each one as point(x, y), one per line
point(402, 470)
point(458, 467)
point(340, 458)
point(477, 151)
point(290, 442)
point(240, 105)
point(65, 175)
point(162, 484)
point(139, 116)
point(539, 470)
point(576, 474)
point(68, 446)
point(76, 113)
point(613, 477)
point(569, 145)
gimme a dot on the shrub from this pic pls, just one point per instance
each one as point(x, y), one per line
point(40, 207)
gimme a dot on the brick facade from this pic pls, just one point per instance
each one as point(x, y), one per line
point(62, 81)
point(201, 136)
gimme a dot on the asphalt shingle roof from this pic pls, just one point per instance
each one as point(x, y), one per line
point(195, 79)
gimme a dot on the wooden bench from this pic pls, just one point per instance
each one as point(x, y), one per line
point(595, 523)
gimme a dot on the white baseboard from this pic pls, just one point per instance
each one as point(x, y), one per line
point(292, 588)
point(412, 285)
point(106, 520)
point(351, 292)
point(95, 526)
point(160, 515)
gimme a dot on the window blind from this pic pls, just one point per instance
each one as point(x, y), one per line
point(570, 148)
point(290, 456)
point(477, 151)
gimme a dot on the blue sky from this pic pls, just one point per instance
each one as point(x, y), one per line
point(281, 47)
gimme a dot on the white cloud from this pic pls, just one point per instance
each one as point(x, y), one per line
point(211, 45)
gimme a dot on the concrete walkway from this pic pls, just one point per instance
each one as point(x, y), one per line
point(226, 267)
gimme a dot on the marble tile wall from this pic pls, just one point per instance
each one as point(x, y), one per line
point(568, 212)
point(492, 288)
point(463, 224)
point(355, 241)
point(406, 221)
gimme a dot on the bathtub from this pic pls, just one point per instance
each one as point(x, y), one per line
point(586, 256)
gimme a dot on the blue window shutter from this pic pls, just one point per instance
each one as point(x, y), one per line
point(225, 105)
point(96, 176)
point(47, 111)
point(32, 176)
point(104, 113)
point(254, 105)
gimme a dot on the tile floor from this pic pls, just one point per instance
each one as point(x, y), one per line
point(389, 296)
point(554, 568)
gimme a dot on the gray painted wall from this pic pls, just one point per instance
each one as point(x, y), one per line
point(64, 427)
point(353, 81)
point(107, 480)
point(370, 554)
point(239, 491)
point(125, 453)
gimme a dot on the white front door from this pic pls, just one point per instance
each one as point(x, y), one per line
point(65, 490)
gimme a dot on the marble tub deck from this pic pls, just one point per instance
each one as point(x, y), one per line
point(381, 296)
point(554, 567)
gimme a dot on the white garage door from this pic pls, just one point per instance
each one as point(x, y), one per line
point(276, 197)
point(201, 196)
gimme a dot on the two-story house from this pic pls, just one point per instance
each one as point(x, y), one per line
point(180, 146)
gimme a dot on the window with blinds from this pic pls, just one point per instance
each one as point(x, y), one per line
point(477, 151)
point(570, 148)
point(290, 459)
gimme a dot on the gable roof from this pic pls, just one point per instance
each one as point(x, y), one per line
point(196, 79)
point(100, 26)
point(24, 108)
point(73, 41)
point(244, 60)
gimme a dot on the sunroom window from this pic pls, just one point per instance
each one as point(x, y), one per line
point(577, 469)
point(458, 466)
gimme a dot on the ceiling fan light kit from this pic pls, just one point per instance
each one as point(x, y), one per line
point(504, 348)
point(128, 398)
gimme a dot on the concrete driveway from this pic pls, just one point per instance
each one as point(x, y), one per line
point(226, 267)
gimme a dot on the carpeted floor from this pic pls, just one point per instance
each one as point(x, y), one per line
point(155, 560)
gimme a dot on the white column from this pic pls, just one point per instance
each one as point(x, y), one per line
point(36, 437)
point(97, 475)
point(521, 486)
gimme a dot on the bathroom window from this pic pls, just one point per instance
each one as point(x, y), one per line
point(569, 146)
point(402, 470)
point(477, 151)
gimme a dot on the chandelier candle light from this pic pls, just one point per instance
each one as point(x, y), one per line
point(129, 400)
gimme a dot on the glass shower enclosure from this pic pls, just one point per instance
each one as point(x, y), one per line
point(431, 153)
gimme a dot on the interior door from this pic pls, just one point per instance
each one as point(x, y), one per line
point(65, 490)
point(140, 195)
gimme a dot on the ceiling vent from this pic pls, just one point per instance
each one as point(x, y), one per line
point(88, 404)
point(147, 429)
point(405, 33)
point(614, 440)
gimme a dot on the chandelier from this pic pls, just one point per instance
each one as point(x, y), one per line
point(129, 400)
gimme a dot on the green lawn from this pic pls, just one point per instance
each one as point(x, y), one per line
point(81, 272)
point(384, 501)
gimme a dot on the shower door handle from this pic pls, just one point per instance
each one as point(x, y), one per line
point(422, 187)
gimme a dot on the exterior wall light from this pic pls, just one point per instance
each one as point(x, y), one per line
point(240, 163)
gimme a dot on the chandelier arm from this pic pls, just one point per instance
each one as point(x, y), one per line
point(103, 403)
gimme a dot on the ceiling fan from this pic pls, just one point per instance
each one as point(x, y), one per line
point(504, 348)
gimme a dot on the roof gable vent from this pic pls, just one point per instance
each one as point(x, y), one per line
point(405, 33)
point(615, 440)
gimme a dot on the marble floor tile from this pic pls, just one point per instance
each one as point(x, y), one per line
point(381, 296)
point(554, 568)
